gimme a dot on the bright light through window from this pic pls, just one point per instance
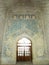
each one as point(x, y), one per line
point(24, 42)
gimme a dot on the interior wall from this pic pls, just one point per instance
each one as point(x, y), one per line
point(16, 27)
point(46, 19)
point(2, 25)
point(36, 29)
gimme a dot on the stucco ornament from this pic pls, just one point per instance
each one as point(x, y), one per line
point(8, 52)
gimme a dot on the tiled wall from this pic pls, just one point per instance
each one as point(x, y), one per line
point(14, 30)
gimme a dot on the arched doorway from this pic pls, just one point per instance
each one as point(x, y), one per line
point(24, 50)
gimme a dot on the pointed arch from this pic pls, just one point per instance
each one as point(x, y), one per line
point(24, 49)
